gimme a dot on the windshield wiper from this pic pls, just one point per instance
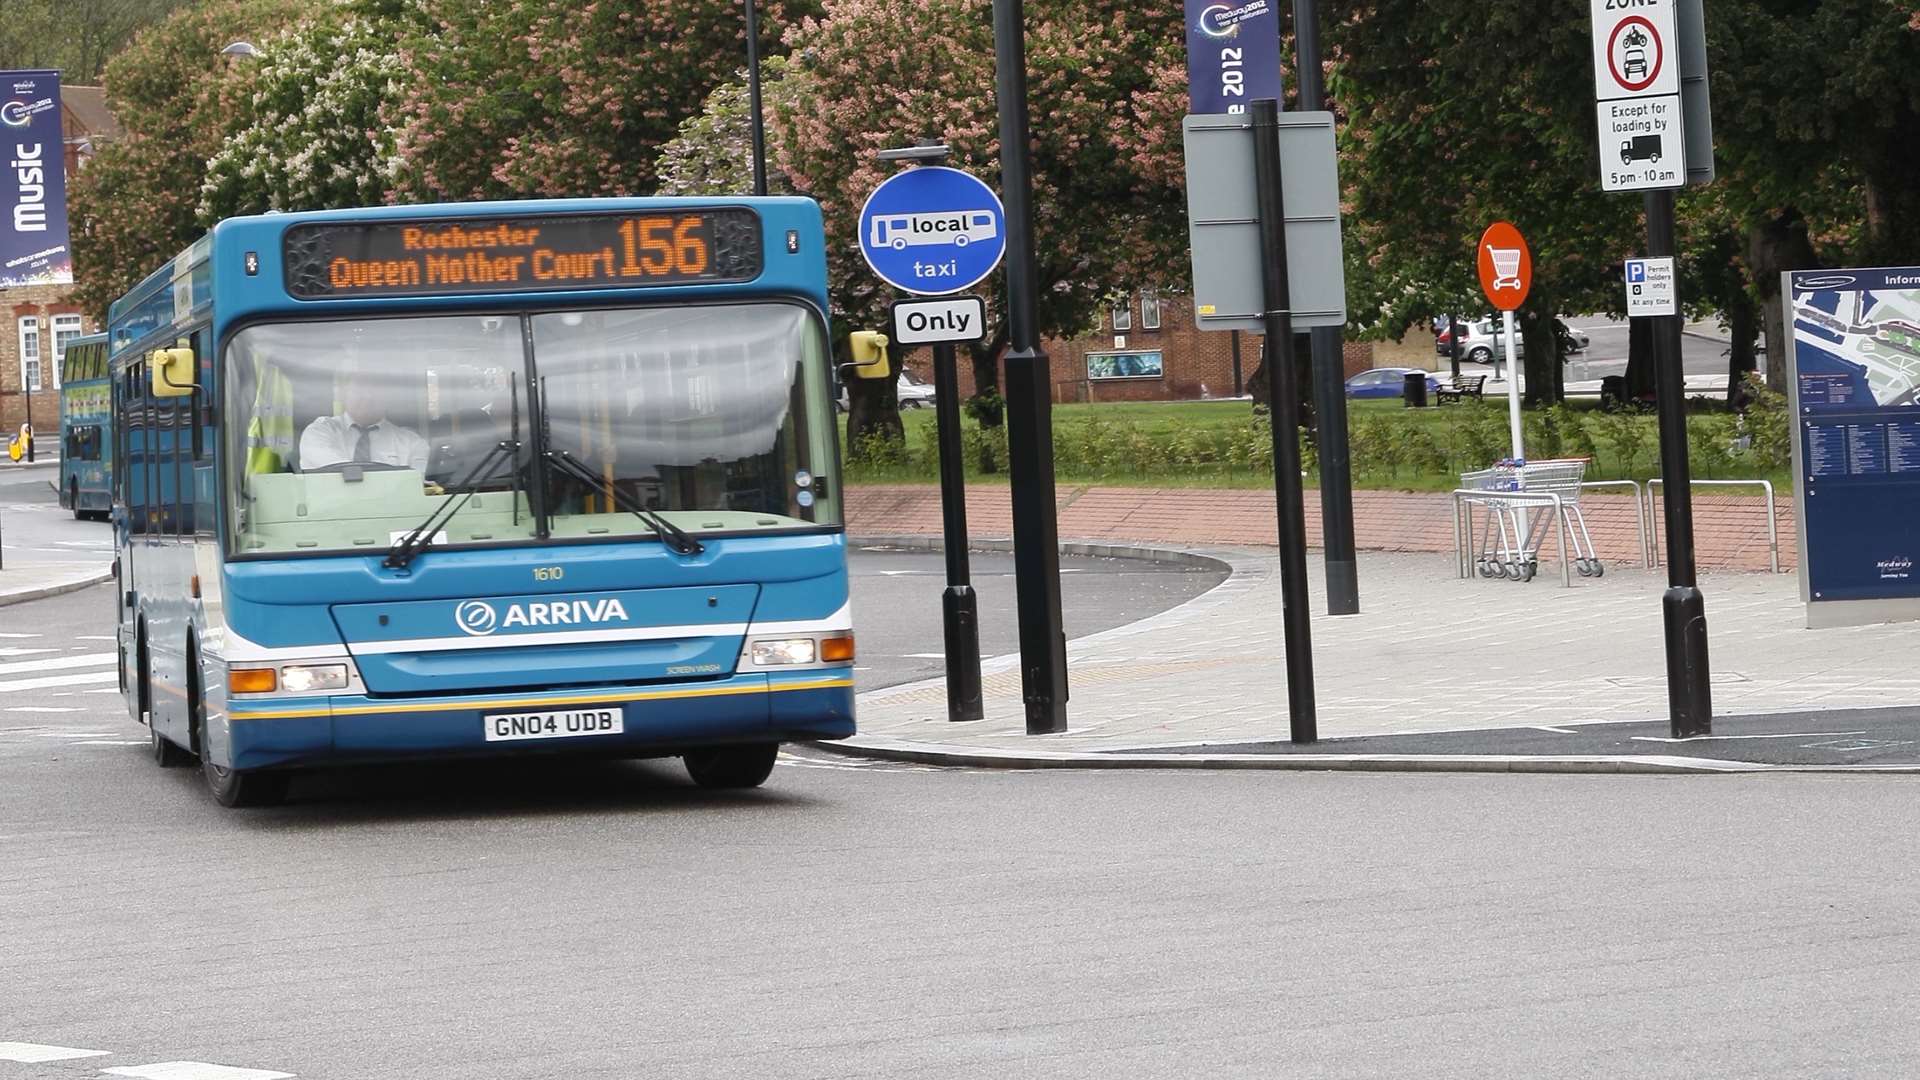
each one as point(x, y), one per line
point(673, 535)
point(407, 547)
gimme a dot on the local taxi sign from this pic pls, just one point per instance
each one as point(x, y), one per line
point(1506, 266)
point(1636, 77)
point(933, 230)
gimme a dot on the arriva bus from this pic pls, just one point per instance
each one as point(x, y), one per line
point(86, 428)
point(498, 478)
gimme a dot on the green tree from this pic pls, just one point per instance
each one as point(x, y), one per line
point(1436, 149)
point(550, 97)
point(177, 98)
point(75, 37)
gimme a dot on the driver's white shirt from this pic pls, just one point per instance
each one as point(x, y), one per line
point(330, 441)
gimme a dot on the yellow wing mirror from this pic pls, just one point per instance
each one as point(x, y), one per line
point(172, 372)
point(869, 349)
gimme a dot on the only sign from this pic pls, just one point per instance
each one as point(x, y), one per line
point(1506, 266)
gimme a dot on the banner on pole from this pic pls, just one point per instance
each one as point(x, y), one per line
point(33, 181)
point(1233, 54)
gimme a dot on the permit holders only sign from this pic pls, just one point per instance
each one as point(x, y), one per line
point(1650, 288)
point(949, 320)
point(933, 230)
point(1636, 78)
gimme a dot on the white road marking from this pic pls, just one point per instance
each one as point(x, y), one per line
point(108, 690)
point(111, 742)
point(20, 636)
point(35, 1053)
point(93, 637)
point(923, 656)
point(68, 734)
point(16, 651)
point(194, 1070)
point(44, 708)
point(63, 680)
point(58, 663)
point(1555, 730)
point(1706, 738)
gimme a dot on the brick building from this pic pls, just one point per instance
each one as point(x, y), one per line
point(1146, 348)
point(36, 321)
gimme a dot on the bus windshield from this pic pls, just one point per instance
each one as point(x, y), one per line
point(346, 436)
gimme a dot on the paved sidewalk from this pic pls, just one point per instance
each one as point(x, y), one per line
point(25, 581)
point(1429, 653)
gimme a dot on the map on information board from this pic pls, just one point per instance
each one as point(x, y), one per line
point(1856, 400)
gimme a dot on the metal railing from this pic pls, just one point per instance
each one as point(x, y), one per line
point(1639, 511)
point(1773, 523)
point(1463, 533)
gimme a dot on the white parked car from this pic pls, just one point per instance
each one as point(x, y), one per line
point(913, 393)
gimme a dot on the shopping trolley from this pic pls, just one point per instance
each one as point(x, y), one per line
point(1506, 267)
point(1510, 545)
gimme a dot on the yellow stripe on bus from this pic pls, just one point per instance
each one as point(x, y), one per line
point(529, 703)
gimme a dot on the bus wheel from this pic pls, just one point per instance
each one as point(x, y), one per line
point(230, 787)
point(731, 766)
point(73, 500)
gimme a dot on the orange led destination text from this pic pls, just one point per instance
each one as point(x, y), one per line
point(646, 247)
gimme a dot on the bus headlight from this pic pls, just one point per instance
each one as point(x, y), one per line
point(783, 651)
point(300, 678)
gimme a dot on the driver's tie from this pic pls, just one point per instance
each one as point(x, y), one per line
point(363, 447)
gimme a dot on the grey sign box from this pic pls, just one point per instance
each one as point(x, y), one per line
point(1223, 222)
point(1696, 104)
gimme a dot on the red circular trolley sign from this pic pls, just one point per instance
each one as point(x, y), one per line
point(1506, 266)
point(1635, 53)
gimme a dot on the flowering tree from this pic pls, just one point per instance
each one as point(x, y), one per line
point(315, 138)
point(551, 97)
point(134, 205)
point(873, 74)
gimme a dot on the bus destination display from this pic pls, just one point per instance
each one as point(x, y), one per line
point(434, 258)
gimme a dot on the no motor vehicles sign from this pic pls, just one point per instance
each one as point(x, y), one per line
point(1636, 76)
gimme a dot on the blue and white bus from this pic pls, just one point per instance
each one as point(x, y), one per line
point(482, 479)
point(86, 428)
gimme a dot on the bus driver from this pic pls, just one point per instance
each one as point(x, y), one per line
point(362, 432)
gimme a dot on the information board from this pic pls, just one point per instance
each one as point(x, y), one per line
point(1855, 395)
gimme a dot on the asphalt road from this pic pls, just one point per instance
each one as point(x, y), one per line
point(608, 920)
point(34, 529)
point(1607, 353)
point(896, 604)
point(572, 921)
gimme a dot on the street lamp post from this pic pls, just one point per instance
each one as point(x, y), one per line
point(753, 100)
point(1036, 544)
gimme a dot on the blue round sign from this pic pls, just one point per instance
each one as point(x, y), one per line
point(933, 230)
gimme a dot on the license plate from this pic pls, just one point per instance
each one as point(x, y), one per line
point(573, 724)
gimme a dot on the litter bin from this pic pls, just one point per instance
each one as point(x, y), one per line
point(1413, 389)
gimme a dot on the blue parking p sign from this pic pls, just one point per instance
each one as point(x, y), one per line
point(933, 230)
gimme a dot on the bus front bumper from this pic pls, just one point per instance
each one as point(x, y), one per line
point(650, 720)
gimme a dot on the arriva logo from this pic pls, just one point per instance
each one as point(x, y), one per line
point(476, 617)
point(479, 618)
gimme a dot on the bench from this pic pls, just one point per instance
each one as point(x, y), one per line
point(1469, 386)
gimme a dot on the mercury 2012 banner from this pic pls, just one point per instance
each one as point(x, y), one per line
point(33, 181)
point(1233, 54)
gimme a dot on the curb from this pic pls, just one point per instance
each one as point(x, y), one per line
point(45, 591)
point(1627, 765)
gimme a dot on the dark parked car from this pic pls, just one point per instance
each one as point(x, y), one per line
point(1386, 382)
